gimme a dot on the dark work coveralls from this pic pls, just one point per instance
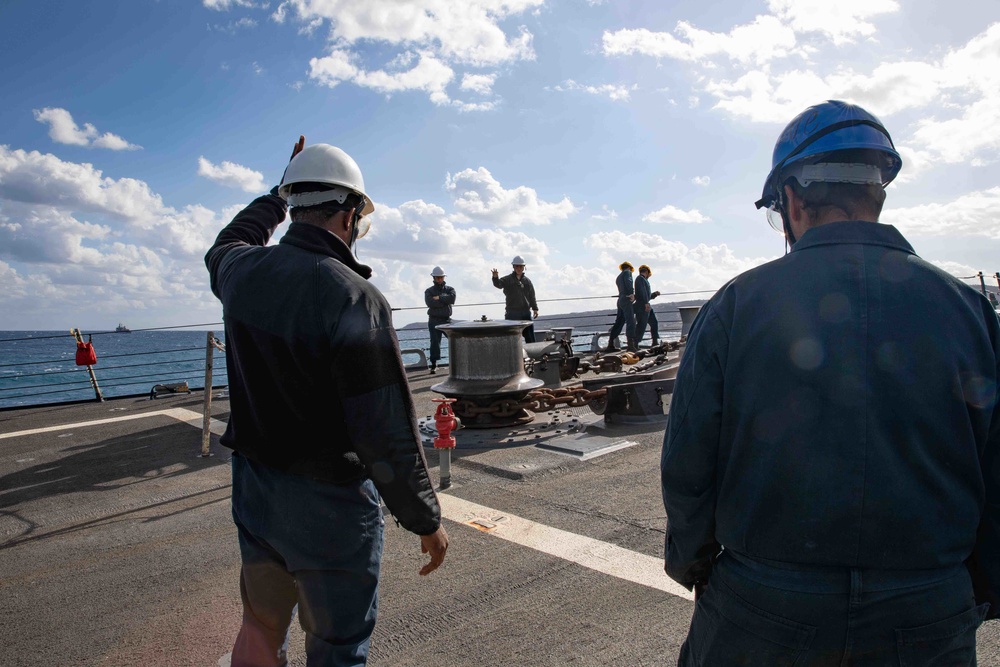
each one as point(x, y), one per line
point(625, 317)
point(643, 295)
point(438, 312)
point(519, 296)
point(834, 431)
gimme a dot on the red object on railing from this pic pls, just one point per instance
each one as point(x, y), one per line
point(85, 354)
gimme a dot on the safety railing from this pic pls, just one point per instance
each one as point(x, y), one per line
point(39, 368)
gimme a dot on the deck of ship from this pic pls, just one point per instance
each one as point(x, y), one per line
point(117, 548)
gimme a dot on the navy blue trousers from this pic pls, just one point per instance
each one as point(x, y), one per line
point(435, 338)
point(529, 331)
point(309, 545)
point(625, 318)
point(757, 612)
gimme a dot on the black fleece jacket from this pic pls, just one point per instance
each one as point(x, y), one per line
point(317, 385)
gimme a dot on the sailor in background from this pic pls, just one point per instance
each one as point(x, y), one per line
point(519, 296)
point(625, 317)
point(644, 313)
point(439, 298)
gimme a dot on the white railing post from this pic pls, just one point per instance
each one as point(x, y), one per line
point(206, 422)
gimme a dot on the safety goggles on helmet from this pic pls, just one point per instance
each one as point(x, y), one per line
point(823, 129)
point(856, 173)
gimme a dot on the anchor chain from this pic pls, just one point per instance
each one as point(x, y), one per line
point(539, 400)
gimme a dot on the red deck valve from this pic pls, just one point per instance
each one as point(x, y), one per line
point(446, 422)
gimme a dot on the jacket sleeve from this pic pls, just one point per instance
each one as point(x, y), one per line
point(253, 226)
point(499, 283)
point(429, 297)
point(984, 564)
point(448, 296)
point(690, 448)
point(641, 291)
point(381, 421)
point(529, 294)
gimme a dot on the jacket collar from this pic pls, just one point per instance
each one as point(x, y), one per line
point(854, 231)
point(318, 240)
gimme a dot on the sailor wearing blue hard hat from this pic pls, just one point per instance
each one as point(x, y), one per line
point(833, 142)
point(831, 463)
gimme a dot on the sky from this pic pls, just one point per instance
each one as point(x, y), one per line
point(575, 133)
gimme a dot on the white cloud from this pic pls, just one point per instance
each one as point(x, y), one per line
point(702, 181)
point(462, 32)
point(232, 27)
point(232, 175)
point(971, 215)
point(478, 83)
point(671, 214)
point(64, 130)
point(616, 92)
point(605, 214)
point(429, 75)
point(35, 188)
point(761, 41)
point(225, 5)
point(675, 265)
point(444, 35)
point(840, 21)
point(479, 198)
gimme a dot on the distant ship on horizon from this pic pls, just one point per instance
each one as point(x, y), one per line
point(121, 328)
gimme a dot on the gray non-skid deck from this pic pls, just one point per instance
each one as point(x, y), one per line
point(117, 549)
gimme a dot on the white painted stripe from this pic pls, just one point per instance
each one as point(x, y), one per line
point(599, 556)
point(593, 554)
point(187, 416)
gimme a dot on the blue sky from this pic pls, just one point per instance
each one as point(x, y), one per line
point(577, 133)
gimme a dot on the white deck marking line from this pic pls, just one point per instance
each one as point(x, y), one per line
point(180, 414)
point(593, 554)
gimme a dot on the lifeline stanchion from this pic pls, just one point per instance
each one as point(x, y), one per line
point(446, 422)
point(88, 348)
point(206, 420)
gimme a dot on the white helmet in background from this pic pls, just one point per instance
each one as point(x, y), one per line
point(437, 271)
point(517, 261)
point(329, 165)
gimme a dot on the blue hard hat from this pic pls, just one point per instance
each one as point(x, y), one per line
point(826, 128)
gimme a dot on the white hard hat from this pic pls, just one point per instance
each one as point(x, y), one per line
point(517, 261)
point(329, 165)
point(437, 271)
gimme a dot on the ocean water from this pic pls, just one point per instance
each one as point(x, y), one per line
point(39, 367)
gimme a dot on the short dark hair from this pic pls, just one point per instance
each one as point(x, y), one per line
point(857, 200)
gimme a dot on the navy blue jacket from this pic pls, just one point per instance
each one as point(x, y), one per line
point(440, 309)
point(838, 406)
point(624, 283)
point(643, 293)
point(317, 385)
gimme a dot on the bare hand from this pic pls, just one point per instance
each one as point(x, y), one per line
point(648, 308)
point(631, 297)
point(536, 314)
point(435, 544)
point(299, 145)
point(496, 274)
point(436, 298)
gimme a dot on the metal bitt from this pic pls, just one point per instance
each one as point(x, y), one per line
point(486, 365)
point(688, 313)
